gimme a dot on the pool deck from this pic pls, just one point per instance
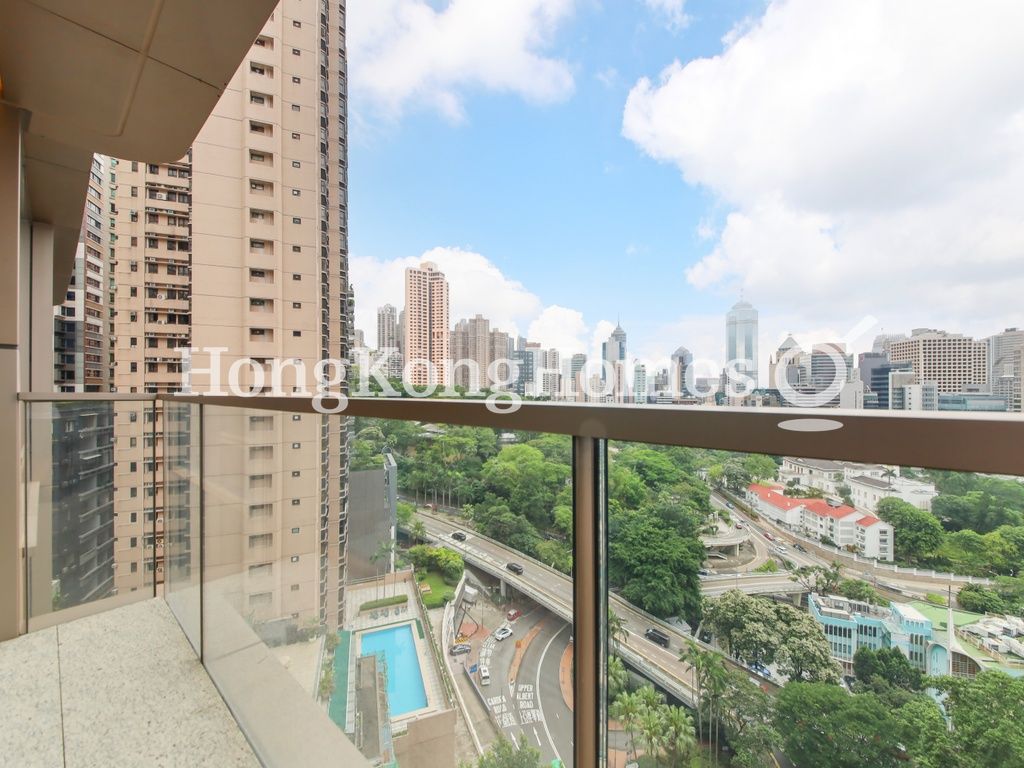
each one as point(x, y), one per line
point(357, 622)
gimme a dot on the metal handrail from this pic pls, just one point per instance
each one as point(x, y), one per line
point(969, 442)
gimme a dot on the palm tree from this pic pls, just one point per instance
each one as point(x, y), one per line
point(889, 474)
point(692, 655)
point(717, 681)
point(618, 677)
point(627, 710)
point(418, 530)
point(653, 731)
point(383, 553)
point(679, 736)
point(617, 631)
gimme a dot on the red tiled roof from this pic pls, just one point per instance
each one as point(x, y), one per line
point(868, 521)
point(822, 508)
point(773, 497)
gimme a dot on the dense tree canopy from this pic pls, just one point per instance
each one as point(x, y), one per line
point(918, 533)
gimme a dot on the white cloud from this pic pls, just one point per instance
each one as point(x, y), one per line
point(407, 53)
point(672, 12)
point(608, 77)
point(559, 328)
point(872, 154)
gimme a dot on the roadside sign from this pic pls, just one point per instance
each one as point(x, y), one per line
point(472, 669)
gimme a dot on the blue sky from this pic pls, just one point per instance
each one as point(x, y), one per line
point(554, 175)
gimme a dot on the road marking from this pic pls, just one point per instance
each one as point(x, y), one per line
point(540, 704)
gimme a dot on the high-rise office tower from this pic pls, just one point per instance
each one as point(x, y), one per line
point(1005, 351)
point(471, 346)
point(682, 362)
point(387, 338)
point(613, 351)
point(951, 360)
point(425, 330)
point(741, 339)
point(242, 246)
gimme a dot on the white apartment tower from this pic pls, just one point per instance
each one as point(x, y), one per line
point(425, 330)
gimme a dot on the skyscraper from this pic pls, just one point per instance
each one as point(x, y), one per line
point(1005, 353)
point(614, 350)
point(471, 345)
point(639, 383)
point(951, 360)
point(741, 339)
point(682, 361)
point(426, 327)
point(387, 338)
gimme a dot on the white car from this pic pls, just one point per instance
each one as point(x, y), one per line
point(781, 549)
point(502, 633)
point(485, 675)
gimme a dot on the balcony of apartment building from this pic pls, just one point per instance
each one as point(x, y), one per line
point(222, 660)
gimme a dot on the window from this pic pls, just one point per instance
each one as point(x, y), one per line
point(296, 417)
point(134, 567)
point(260, 598)
point(133, 542)
point(297, 24)
point(296, 446)
point(257, 540)
point(257, 69)
point(296, 333)
point(296, 52)
point(296, 108)
point(295, 135)
point(260, 481)
point(296, 305)
point(296, 79)
point(261, 510)
point(296, 502)
point(260, 569)
point(296, 249)
point(296, 164)
point(296, 192)
point(135, 191)
point(295, 587)
point(296, 276)
point(258, 98)
point(261, 452)
point(295, 530)
point(295, 558)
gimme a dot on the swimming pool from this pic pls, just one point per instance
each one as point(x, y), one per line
point(405, 681)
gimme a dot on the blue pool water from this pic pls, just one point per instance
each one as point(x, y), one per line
point(405, 682)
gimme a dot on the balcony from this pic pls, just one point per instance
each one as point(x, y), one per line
point(262, 640)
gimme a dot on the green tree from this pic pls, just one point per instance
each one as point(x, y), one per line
point(845, 493)
point(922, 730)
point(747, 716)
point(627, 709)
point(918, 534)
point(887, 666)
point(618, 677)
point(504, 754)
point(557, 554)
point(680, 739)
point(653, 731)
point(822, 725)
point(985, 713)
point(654, 566)
point(617, 632)
point(501, 523)
point(526, 481)
point(760, 467)
point(980, 599)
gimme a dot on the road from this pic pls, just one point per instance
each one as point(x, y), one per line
point(553, 590)
point(916, 586)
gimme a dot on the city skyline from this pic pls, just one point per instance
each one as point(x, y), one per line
point(664, 229)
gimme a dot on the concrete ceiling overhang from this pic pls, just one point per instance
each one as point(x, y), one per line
point(134, 79)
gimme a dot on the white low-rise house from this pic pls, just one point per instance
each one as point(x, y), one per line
point(868, 483)
point(868, 491)
point(824, 520)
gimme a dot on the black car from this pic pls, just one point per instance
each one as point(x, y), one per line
point(657, 636)
point(799, 548)
point(459, 536)
point(516, 568)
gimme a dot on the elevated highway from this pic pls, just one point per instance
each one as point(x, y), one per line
point(553, 590)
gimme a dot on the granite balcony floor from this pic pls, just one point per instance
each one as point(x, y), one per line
point(121, 688)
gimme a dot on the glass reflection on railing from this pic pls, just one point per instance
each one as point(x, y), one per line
point(93, 507)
